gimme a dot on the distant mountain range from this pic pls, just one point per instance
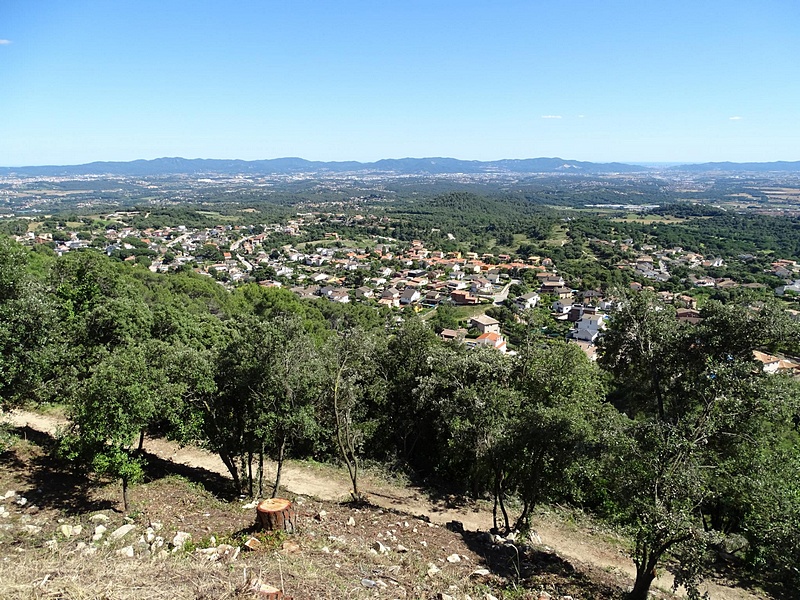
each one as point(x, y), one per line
point(400, 166)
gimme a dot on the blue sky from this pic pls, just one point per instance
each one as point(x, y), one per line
point(597, 80)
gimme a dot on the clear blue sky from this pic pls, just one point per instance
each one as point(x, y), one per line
point(600, 80)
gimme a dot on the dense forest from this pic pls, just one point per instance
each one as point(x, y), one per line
point(677, 436)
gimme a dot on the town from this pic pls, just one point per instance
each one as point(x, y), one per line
point(409, 278)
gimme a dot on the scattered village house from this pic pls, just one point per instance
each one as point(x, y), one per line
point(485, 324)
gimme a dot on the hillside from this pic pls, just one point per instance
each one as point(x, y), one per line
point(47, 548)
point(406, 166)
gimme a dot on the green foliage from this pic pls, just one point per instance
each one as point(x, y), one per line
point(113, 406)
point(697, 403)
point(29, 339)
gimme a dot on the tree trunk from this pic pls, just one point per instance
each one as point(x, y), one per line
point(279, 468)
point(261, 471)
point(494, 511)
point(230, 464)
point(641, 587)
point(250, 473)
point(522, 520)
point(506, 523)
point(141, 441)
point(276, 514)
point(125, 495)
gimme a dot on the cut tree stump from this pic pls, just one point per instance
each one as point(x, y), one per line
point(276, 514)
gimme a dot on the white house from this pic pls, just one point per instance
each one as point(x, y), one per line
point(527, 300)
point(409, 295)
point(589, 327)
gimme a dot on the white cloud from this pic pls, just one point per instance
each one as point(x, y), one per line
point(5, 42)
point(552, 116)
point(581, 116)
point(735, 118)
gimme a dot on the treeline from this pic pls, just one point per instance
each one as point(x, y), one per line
point(677, 436)
point(475, 222)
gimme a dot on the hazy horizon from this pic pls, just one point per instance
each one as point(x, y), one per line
point(652, 164)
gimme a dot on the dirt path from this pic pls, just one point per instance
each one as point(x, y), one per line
point(569, 542)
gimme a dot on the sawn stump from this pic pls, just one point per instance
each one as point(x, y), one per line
point(276, 514)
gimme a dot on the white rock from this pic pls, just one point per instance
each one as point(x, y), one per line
point(479, 573)
point(127, 551)
point(99, 517)
point(401, 548)
point(320, 516)
point(453, 558)
point(149, 535)
point(250, 505)
point(433, 569)
point(351, 521)
point(66, 530)
point(180, 539)
point(122, 531)
point(9, 494)
point(77, 529)
point(98, 533)
point(21, 501)
point(380, 548)
point(51, 544)
point(488, 596)
point(157, 526)
point(443, 596)
point(32, 529)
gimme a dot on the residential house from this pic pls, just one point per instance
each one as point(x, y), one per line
point(527, 301)
point(409, 295)
point(481, 285)
point(493, 340)
point(776, 364)
point(561, 306)
point(688, 315)
point(791, 288)
point(449, 335)
point(485, 323)
point(463, 297)
point(563, 293)
point(432, 298)
point(588, 348)
point(392, 295)
point(589, 328)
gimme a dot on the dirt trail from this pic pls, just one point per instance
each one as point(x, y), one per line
point(568, 542)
